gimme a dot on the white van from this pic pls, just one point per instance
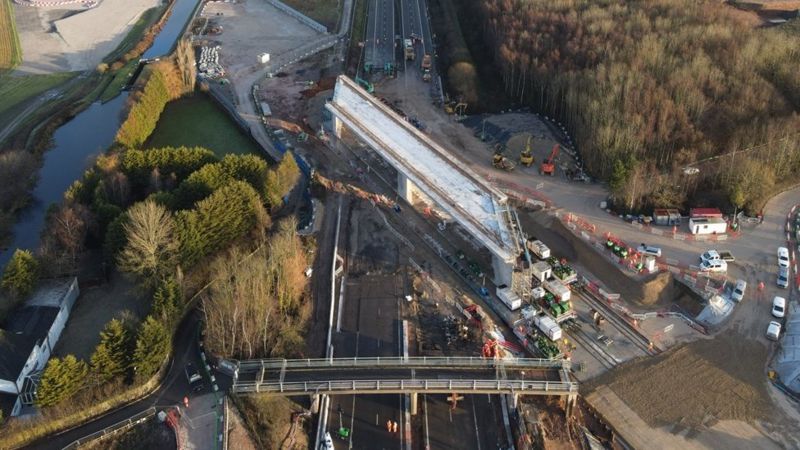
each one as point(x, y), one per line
point(649, 250)
point(738, 290)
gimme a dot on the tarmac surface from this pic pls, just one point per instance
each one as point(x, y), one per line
point(380, 34)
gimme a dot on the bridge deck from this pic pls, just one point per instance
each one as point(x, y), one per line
point(474, 203)
point(411, 385)
point(399, 362)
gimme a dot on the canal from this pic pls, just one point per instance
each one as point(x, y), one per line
point(79, 141)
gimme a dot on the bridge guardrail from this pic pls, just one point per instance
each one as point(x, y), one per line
point(113, 429)
point(411, 385)
point(399, 362)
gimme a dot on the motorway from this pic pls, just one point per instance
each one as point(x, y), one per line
point(379, 39)
point(414, 21)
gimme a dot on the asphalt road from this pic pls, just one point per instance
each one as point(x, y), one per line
point(379, 37)
point(369, 327)
point(414, 21)
point(171, 391)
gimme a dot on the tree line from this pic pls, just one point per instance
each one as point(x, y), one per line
point(154, 241)
point(648, 88)
point(165, 81)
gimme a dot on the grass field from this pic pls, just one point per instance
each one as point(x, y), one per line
point(119, 81)
point(14, 91)
point(325, 12)
point(10, 49)
point(197, 121)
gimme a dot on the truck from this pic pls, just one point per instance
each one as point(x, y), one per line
point(541, 271)
point(558, 289)
point(508, 297)
point(727, 256)
point(548, 327)
point(408, 44)
point(426, 67)
point(538, 248)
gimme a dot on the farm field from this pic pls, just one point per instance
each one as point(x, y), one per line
point(10, 49)
point(197, 121)
point(16, 90)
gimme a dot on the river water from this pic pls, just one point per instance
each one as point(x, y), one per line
point(79, 141)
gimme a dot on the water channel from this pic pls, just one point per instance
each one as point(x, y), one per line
point(78, 142)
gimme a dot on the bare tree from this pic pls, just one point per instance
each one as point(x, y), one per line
point(69, 226)
point(152, 246)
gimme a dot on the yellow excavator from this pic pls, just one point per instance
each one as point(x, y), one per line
point(526, 157)
point(499, 161)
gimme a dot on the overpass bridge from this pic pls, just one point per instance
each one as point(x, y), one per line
point(424, 166)
point(405, 375)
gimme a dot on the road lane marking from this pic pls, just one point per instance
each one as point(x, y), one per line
point(475, 419)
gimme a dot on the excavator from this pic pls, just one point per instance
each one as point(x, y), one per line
point(548, 166)
point(526, 157)
point(499, 161)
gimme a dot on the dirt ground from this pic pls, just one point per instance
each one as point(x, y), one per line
point(694, 387)
point(63, 40)
point(251, 28)
point(651, 292)
point(269, 420)
point(238, 436)
point(93, 309)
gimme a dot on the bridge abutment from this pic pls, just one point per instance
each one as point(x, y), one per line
point(405, 188)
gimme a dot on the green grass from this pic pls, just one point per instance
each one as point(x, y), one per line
point(15, 91)
point(197, 121)
point(133, 37)
point(325, 12)
point(10, 48)
point(119, 81)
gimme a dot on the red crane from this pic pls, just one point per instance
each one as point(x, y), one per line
point(548, 166)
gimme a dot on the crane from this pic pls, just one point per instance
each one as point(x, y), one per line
point(548, 166)
point(526, 157)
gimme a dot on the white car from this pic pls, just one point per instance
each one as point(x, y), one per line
point(710, 255)
point(778, 307)
point(783, 257)
point(714, 265)
point(738, 290)
point(783, 277)
point(327, 443)
point(773, 330)
point(649, 250)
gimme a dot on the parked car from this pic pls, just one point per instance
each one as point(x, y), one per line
point(649, 250)
point(738, 290)
point(773, 330)
point(778, 307)
point(194, 378)
point(714, 265)
point(783, 257)
point(783, 277)
point(727, 256)
point(710, 255)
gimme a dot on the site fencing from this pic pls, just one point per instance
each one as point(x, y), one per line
point(113, 430)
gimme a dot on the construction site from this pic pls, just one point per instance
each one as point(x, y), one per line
point(482, 235)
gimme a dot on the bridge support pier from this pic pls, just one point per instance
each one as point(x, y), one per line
point(502, 270)
point(314, 404)
point(571, 400)
point(514, 401)
point(337, 126)
point(414, 403)
point(405, 188)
